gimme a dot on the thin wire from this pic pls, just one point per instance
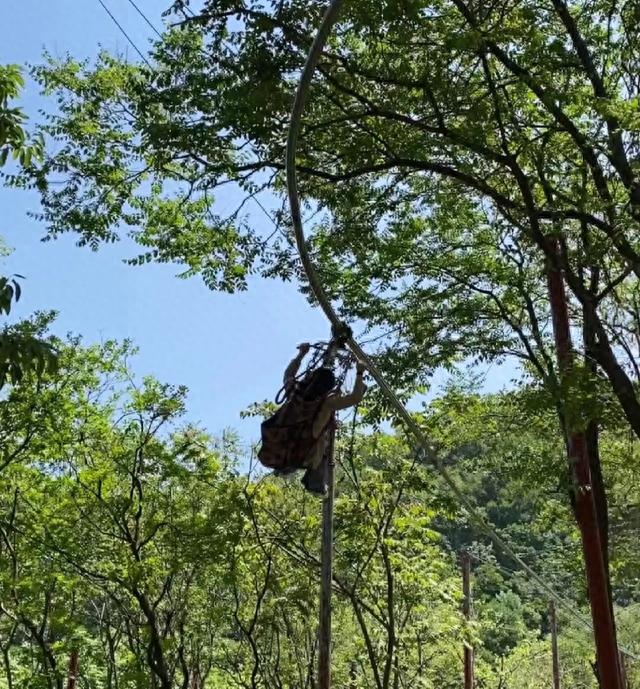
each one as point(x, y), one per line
point(428, 452)
point(159, 34)
point(144, 16)
point(135, 47)
point(125, 34)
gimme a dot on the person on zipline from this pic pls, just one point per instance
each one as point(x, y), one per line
point(319, 388)
point(297, 435)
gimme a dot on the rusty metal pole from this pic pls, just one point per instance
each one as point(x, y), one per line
point(73, 669)
point(554, 645)
point(466, 610)
point(585, 509)
point(324, 655)
point(624, 680)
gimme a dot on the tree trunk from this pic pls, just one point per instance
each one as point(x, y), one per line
point(555, 661)
point(623, 671)
point(155, 651)
point(7, 667)
point(593, 451)
point(112, 668)
point(353, 675)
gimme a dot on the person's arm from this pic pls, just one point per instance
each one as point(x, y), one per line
point(337, 402)
point(294, 365)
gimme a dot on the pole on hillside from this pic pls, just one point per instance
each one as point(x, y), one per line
point(554, 645)
point(353, 675)
point(73, 669)
point(466, 610)
point(324, 655)
point(585, 509)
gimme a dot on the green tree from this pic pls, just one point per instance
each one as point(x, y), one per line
point(451, 148)
point(446, 146)
point(114, 515)
point(13, 137)
point(19, 349)
point(129, 536)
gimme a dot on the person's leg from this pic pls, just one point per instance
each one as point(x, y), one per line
point(313, 479)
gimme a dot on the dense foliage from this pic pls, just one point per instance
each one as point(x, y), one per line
point(445, 142)
point(20, 350)
point(154, 552)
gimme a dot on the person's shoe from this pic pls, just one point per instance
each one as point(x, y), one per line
point(313, 481)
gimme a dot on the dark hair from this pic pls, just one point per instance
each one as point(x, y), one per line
point(318, 384)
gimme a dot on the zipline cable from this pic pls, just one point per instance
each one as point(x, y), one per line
point(428, 452)
point(144, 16)
point(125, 34)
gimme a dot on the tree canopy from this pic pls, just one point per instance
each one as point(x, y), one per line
point(139, 542)
point(443, 146)
point(19, 349)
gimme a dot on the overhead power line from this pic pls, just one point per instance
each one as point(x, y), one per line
point(159, 34)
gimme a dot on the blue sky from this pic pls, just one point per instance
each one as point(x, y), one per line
point(228, 349)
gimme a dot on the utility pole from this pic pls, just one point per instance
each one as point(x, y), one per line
point(466, 610)
point(585, 509)
point(73, 669)
point(324, 654)
point(554, 645)
point(196, 681)
point(353, 675)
